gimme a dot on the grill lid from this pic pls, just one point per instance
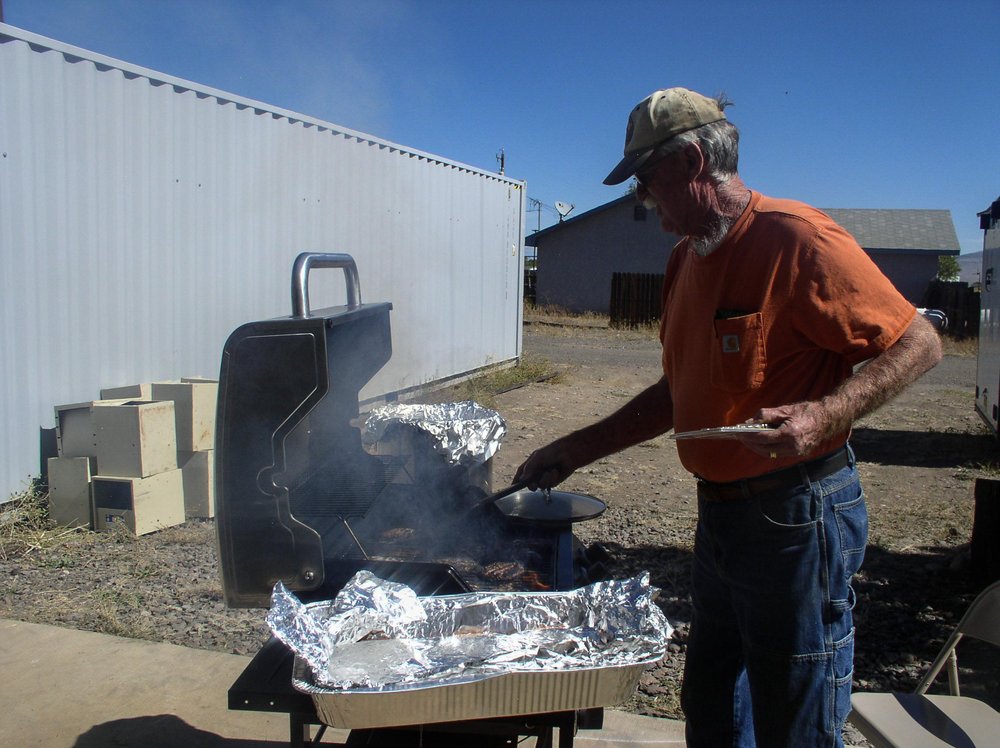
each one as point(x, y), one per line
point(290, 468)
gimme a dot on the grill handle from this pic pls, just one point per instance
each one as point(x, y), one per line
point(300, 279)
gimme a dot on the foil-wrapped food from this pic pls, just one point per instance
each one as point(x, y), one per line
point(378, 634)
point(463, 431)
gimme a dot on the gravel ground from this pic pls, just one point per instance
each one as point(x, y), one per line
point(919, 457)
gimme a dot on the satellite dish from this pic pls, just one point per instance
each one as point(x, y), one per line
point(563, 209)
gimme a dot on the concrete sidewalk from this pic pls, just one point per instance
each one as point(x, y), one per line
point(62, 687)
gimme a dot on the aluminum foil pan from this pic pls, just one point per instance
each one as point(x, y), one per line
point(516, 693)
point(464, 431)
point(379, 655)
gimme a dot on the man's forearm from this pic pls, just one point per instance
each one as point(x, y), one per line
point(884, 377)
point(804, 426)
point(644, 417)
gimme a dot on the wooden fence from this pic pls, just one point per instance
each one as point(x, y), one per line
point(530, 285)
point(635, 299)
point(959, 302)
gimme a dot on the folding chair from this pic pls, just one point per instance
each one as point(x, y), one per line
point(919, 720)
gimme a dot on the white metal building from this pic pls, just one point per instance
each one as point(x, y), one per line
point(143, 218)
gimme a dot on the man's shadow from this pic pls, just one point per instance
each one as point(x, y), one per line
point(160, 731)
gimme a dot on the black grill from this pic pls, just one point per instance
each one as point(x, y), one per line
point(301, 500)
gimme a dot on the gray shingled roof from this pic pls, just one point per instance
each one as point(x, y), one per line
point(887, 229)
point(899, 229)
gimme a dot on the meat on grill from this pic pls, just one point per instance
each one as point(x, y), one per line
point(534, 582)
point(503, 571)
point(397, 534)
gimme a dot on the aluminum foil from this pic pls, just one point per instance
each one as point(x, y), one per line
point(380, 635)
point(461, 431)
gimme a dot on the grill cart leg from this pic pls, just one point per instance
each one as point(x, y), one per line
point(566, 723)
point(265, 685)
point(300, 731)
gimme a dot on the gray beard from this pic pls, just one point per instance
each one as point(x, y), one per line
point(704, 244)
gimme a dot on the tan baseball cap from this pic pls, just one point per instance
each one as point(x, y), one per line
point(657, 118)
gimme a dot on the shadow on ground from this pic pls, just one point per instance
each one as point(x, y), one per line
point(907, 605)
point(159, 731)
point(929, 449)
point(669, 570)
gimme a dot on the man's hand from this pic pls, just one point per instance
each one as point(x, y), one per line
point(547, 466)
point(801, 427)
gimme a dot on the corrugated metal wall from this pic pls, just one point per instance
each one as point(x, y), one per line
point(143, 218)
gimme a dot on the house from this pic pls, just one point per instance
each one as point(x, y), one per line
point(905, 244)
point(577, 257)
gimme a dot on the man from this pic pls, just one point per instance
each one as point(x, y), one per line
point(768, 309)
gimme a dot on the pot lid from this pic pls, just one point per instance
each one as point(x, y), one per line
point(554, 506)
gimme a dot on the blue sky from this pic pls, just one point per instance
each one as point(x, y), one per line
point(843, 104)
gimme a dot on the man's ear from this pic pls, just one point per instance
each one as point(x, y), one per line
point(693, 160)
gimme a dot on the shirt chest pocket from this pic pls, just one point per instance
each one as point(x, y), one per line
point(737, 362)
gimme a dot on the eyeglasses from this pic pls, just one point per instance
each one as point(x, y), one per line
point(648, 171)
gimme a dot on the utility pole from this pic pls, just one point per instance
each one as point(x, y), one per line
point(536, 206)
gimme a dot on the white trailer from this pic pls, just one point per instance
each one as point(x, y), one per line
point(988, 363)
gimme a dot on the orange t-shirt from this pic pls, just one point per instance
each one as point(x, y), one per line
point(779, 313)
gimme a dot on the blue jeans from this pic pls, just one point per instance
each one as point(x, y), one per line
point(771, 649)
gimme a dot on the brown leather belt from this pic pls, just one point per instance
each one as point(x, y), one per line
point(815, 470)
